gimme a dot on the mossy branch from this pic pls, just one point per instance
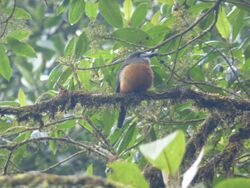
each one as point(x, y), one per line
point(35, 179)
point(67, 100)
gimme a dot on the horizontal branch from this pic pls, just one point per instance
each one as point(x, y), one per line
point(68, 99)
point(35, 179)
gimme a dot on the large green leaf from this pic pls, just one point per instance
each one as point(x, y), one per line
point(132, 35)
point(110, 10)
point(166, 153)
point(21, 48)
point(76, 9)
point(139, 15)
point(223, 24)
point(128, 174)
point(234, 183)
point(5, 68)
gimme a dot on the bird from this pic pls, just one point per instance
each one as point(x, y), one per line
point(134, 76)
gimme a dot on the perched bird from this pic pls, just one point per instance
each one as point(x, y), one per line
point(134, 76)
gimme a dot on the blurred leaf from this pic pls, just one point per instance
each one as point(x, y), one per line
point(19, 34)
point(66, 74)
point(68, 124)
point(62, 6)
point(86, 125)
point(127, 8)
point(166, 153)
point(9, 103)
point(21, 48)
point(70, 47)
point(76, 9)
point(234, 183)
point(4, 125)
point(5, 68)
point(21, 97)
point(84, 75)
point(132, 35)
point(91, 10)
point(156, 18)
point(139, 15)
point(128, 174)
point(196, 73)
point(52, 21)
point(54, 75)
point(191, 172)
point(110, 10)
point(126, 139)
point(223, 24)
point(90, 170)
point(53, 146)
point(81, 45)
point(157, 33)
point(19, 13)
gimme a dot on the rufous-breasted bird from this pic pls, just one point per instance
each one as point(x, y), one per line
point(134, 76)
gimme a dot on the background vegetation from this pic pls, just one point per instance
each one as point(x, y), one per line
point(58, 65)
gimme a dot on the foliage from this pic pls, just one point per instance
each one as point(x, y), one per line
point(50, 48)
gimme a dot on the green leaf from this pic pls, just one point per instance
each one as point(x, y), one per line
point(128, 174)
point(156, 18)
point(132, 35)
point(84, 77)
point(127, 8)
point(19, 34)
point(54, 76)
point(139, 15)
point(22, 98)
point(62, 7)
point(76, 9)
point(157, 33)
point(110, 10)
point(91, 10)
point(21, 48)
point(166, 153)
point(67, 124)
point(126, 139)
point(81, 45)
point(70, 47)
point(4, 125)
point(19, 13)
point(90, 170)
point(223, 24)
point(5, 68)
point(196, 73)
point(234, 182)
point(86, 125)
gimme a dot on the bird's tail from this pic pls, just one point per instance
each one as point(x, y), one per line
point(122, 115)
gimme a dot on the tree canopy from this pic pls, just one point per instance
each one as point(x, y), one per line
point(58, 106)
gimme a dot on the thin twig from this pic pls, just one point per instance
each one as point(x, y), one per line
point(64, 160)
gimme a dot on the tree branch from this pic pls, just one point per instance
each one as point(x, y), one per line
point(35, 179)
point(68, 99)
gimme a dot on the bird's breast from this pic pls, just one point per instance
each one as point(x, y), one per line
point(137, 77)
